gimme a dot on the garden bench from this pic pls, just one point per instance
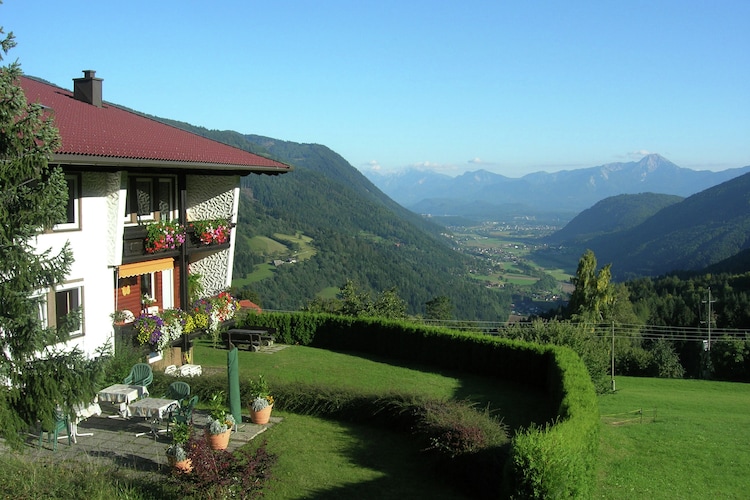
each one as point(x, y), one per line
point(253, 337)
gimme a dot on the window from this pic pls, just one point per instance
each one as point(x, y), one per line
point(147, 285)
point(151, 198)
point(165, 200)
point(144, 197)
point(61, 302)
point(72, 211)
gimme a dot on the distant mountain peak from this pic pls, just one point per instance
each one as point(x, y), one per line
point(653, 161)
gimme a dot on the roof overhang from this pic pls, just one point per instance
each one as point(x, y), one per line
point(116, 163)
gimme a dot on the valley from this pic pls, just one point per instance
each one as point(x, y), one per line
point(503, 250)
point(507, 250)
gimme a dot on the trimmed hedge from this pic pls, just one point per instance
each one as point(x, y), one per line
point(557, 460)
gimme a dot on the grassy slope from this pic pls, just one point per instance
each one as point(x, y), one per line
point(696, 448)
point(331, 459)
point(328, 459)
point(517, 405)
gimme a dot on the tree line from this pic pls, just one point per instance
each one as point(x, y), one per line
point(655, 326)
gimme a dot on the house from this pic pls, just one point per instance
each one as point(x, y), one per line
point(125, 173)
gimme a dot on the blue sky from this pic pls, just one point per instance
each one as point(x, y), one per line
point(510, 87)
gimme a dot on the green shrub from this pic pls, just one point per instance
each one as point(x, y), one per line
point(448, 429)
point(552, 461)
point(242, 474)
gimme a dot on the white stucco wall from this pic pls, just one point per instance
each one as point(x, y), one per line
point(213, 197)
point(95, 247)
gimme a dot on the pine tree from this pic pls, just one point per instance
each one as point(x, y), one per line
point(38, 372)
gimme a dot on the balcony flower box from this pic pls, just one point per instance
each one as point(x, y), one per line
point(210, 232)
point(164, 236)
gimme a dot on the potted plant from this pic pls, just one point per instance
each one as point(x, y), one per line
point(220, 423)
point(261, 401)
point(122, 317)
point(176, 453)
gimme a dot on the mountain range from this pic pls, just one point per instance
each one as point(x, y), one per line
point(486, 195)
point(650, 234)
point(360, 233)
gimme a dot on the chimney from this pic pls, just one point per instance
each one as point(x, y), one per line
point(89, 88)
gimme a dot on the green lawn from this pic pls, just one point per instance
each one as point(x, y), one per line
point(517, 405)
point(328, 459)
point(696, 447)
point(332, 459)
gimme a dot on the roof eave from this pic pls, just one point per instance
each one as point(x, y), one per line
point(131, 163)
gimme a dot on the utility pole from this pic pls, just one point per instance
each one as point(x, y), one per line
point(708, 319)
point(613, 356)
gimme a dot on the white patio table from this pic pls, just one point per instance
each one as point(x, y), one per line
point(124, 394)
point(154, 409)
point(82, 413)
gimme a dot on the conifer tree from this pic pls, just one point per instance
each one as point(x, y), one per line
point(38, 373)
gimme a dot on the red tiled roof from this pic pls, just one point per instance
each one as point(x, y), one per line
point(246, 304)
point(112, 132)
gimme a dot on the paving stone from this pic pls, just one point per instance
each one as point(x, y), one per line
point(114, 441)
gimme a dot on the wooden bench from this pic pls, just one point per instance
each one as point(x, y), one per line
point(252, 337)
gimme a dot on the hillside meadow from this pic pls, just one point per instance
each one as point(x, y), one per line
point(692, 441)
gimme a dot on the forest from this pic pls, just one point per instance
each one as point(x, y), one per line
point(391, 254)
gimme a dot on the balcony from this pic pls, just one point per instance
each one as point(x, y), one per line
point(199, 237)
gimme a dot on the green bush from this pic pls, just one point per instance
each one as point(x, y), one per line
point(552, 461)
point(559, 459)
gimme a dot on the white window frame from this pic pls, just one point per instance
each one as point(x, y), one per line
point(74, 198)
point(51, 309)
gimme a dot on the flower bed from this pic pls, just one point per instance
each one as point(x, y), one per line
point(160, 330)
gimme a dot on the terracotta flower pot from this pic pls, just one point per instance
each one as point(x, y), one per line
point(183, 467)
point(218, 441)
point(261, 417)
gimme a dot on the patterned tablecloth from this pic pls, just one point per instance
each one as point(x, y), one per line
point(154, 408)
point(83, 412)
point(123, 393)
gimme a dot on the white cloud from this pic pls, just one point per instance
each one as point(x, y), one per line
point(373, 165)
point(441, 168)
point(476, 160)
point(638, 154)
